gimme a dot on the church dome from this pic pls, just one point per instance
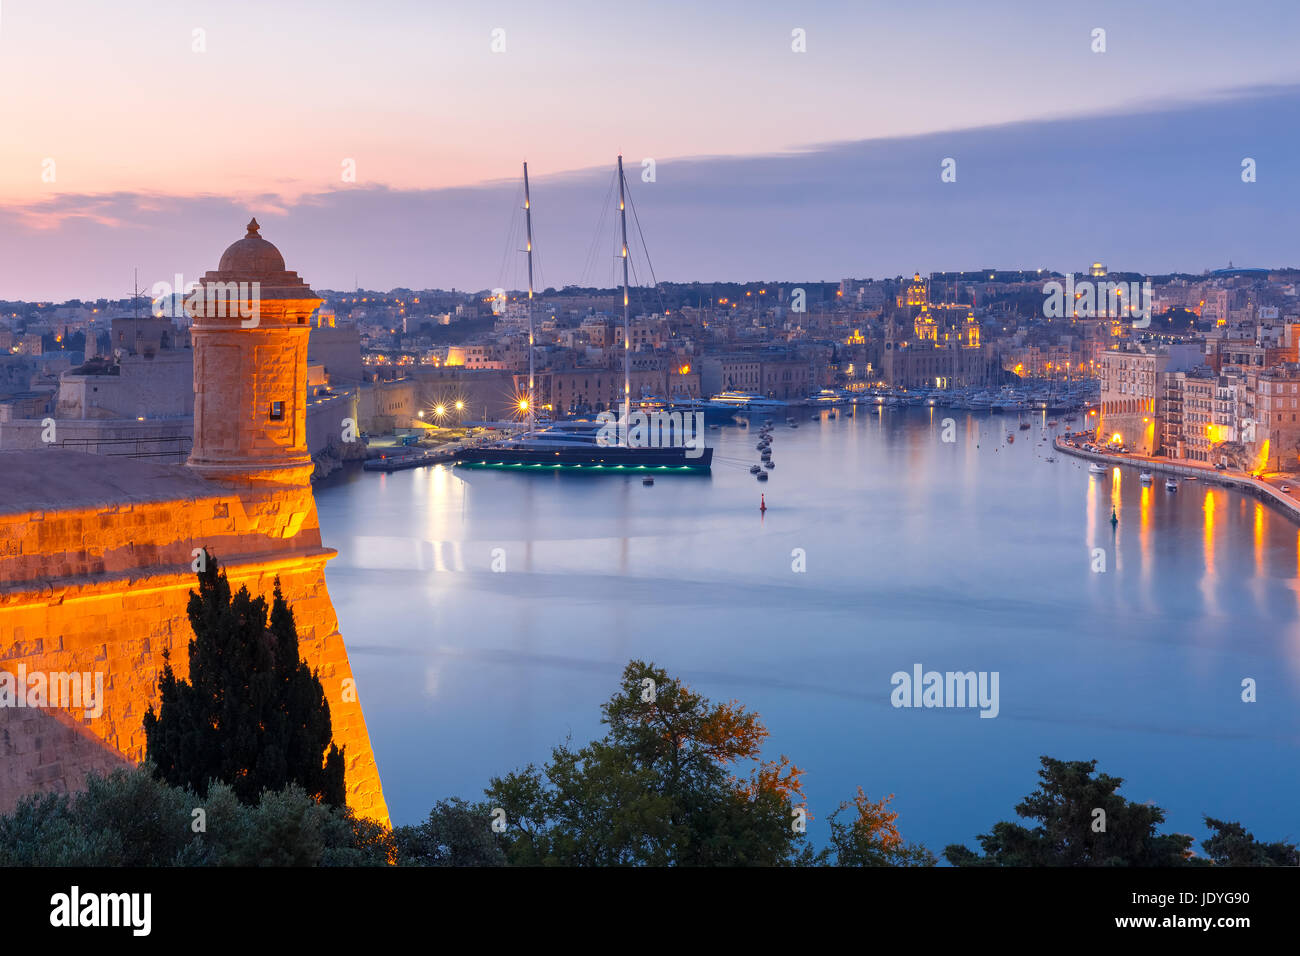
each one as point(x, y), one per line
point(252, 255)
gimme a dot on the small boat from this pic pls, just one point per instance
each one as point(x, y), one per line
point(647, 480)
point(1049, 458)
point(1191, 478)
point(768, 464)
point(1024, 426)
point(1052, 423)
point(794, 424)
point(755, 470)
point(1011, 439)
point(1097, 468)
point(762, 476)
point(1145, 477)
point(1171, 485)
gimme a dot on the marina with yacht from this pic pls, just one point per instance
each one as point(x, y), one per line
point(584, 443)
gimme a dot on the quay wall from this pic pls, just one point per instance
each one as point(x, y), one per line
point(1260, 490)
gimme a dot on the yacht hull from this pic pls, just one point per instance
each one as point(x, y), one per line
point(609, 459)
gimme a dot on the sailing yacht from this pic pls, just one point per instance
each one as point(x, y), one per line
point(640, 441)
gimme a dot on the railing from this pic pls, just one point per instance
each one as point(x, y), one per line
point(143, 447)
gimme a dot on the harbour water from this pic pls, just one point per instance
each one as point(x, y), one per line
point(969, 555)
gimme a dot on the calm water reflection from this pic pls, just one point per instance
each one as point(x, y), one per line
point(974, 555)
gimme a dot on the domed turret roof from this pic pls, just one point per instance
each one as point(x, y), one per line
point(252, 256)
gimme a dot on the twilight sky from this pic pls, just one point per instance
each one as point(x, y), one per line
point(771, 164)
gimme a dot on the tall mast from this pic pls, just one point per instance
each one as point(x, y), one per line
point(627, 345)
point(528, 218)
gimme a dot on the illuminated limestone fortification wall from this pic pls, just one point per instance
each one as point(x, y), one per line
point(104, 588)
point(96, 551)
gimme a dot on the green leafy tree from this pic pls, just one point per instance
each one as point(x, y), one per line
point(1232, 845)
point(131, 818)
point(457, 833)
point(252, 714)
point(1064, 805)
point(870, 837)
point(676, 780)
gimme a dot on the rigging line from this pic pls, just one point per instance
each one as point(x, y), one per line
point(636, 279)
point(589, 265)
point(646, 249)
point(538, 282)
point(512, 228)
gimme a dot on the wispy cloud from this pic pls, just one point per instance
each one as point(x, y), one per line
point(1151, 190)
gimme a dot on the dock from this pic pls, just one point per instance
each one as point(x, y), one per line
point(391, 463)
point(1254, 487)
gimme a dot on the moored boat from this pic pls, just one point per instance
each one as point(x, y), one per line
point(662, 440)
point(581, 445)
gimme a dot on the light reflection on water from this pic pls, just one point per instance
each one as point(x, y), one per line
point(974, 555)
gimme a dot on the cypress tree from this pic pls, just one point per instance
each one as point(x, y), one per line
point(252, 714)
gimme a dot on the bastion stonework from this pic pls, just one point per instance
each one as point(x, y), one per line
point(96, 552)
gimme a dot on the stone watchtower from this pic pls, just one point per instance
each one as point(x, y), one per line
point(251, 322)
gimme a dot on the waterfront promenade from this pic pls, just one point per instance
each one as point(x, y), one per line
point(1267, 488)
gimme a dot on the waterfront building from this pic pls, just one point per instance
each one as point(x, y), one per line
point(731, 373)
point(937, 363)
point(1131, 387)
point(1277, 417)
point(1198, 414)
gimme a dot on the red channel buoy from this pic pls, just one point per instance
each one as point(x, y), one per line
point(762, 503)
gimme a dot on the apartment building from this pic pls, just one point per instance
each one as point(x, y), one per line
point(1131, 389)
